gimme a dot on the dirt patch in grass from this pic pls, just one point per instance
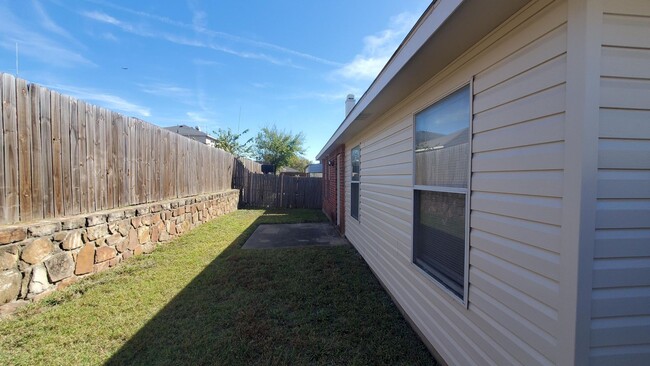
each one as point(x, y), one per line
point(202, 300)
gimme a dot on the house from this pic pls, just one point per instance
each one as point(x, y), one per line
point(193, 133)
point(495, 176)
point(314, 170)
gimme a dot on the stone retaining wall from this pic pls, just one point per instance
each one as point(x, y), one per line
point(38, 258)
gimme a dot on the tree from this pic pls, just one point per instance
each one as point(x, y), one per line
point(299, 163)
point(278, 147)
point(229, 141)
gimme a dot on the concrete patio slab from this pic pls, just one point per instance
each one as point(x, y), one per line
point(294, 235)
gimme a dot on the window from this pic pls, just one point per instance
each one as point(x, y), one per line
point(355, 157)
point(442, 171)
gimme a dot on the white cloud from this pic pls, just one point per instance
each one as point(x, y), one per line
point(184, 41)
point(110, 37)
point(167, 90)
point(198, 118)
point(101, 17)
point(377, 50)
point(35, 45)
point(199, 25)
point(109, 101)
point(47, 23)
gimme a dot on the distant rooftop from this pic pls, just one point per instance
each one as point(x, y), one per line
point(192, 132)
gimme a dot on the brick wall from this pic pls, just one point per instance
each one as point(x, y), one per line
point(329, 186)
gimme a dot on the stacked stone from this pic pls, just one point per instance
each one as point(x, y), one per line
point(38, 258)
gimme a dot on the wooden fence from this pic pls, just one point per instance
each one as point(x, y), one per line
point(278, 191)
point(60, 156)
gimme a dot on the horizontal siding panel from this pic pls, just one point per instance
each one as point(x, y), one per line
point(398, 158)
point(405, 133)
point(626, 31)
point(545, 48)
point(538, 131)
point(637, 355)
point(623, 214)
point(547, 183)
point(625, 93)
point(543, 76)
point(627, 7)
point(624, 184)
point(525, 354)
point(620, 331)
point(622, 243)
point(626, 272)
point(396, 180)
point(393, 149)
point(394, 212)
point(543, 236)
point(623, 154)
point(399, 222)
point(536, 157)
point(529, 257)
point(545, 103)
point(393, 201)
point(397, 169)
point(395, 240)
point(382, 131)
point(538, 287)
point(396, 191)
point(625, 62)
point(538, 313)
point(614, 302)
point(619, 123)
point(540, 209)
point(519, 327)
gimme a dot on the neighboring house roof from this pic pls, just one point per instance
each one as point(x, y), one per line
point(314, 168)
point(191, 132)
point(446, 30)
point(287, 169)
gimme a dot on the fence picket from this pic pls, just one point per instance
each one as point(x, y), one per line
point(60, 156)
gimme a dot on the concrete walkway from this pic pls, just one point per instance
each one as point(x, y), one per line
point(294, 235)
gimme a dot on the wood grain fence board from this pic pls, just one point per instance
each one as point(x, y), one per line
point(60, 156)
point(111, 181)
point(133, 159)
point(57, 168)
point(98, 160)
point(3, 197)
point(83, 156)
point(23, 112)
point(46, 143)
point(158, 168)
point(75, 142)
point(119, 134)
point(66, 153)
point(37, 167)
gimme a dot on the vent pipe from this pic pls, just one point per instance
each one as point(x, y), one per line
point(349, 104)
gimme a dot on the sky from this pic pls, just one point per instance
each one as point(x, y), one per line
point(212, 64)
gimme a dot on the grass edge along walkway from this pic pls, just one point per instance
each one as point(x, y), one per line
point(200, 299)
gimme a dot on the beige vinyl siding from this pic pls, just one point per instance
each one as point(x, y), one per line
point(516, 203)
point(620, 310)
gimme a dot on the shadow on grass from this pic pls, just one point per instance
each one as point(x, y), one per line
point(281, 306)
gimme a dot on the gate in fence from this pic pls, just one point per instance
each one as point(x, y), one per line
point(277, 191)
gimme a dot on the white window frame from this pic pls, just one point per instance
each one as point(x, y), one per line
point(357, 182)
point(467, 191)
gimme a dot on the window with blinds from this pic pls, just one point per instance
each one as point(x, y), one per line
point(442, 169)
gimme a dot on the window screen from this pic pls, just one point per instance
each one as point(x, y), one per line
point(442, 150)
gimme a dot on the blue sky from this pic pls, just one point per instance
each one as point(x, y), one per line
point(213, 64)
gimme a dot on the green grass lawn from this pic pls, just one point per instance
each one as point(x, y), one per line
point(202, 300)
